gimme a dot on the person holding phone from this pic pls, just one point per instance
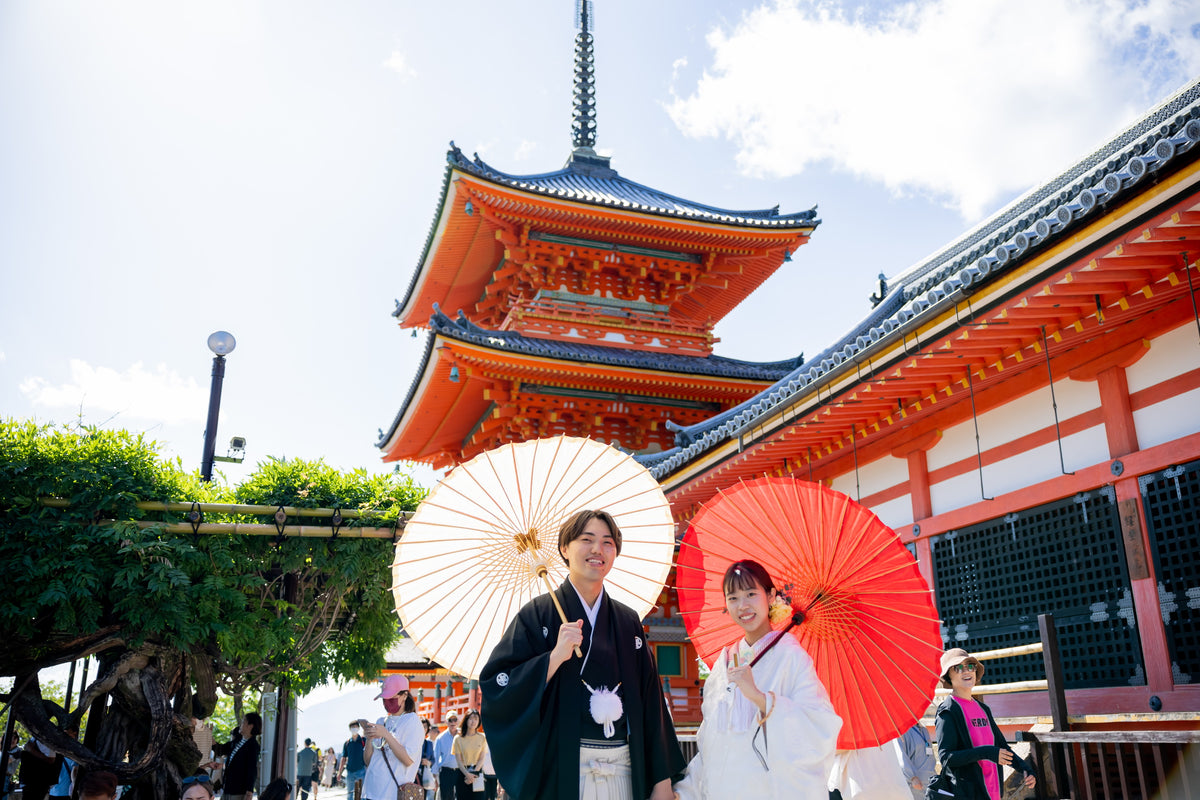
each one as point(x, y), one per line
point(971, 747)
point(393, 744)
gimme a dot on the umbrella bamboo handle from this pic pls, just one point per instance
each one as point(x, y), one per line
point(561, 614)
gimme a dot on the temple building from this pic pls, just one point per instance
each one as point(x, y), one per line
point(1023, 408)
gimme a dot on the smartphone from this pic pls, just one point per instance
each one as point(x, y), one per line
point(362, 723)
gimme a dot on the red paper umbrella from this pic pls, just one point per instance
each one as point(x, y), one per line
point(864, 612)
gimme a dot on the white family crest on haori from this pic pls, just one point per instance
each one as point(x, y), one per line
point(485, 542)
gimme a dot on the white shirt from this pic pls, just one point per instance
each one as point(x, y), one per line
point(378, 783)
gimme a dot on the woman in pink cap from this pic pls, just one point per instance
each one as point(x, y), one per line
point(971, 747)
point(392, 751)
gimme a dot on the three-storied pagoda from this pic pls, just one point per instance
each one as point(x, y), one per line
point(578, 302)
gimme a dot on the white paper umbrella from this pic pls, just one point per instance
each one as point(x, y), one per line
point(477, 548)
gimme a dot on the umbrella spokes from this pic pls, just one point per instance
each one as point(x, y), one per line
point(859, 605)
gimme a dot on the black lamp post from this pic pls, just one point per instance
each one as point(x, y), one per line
point(222, 344)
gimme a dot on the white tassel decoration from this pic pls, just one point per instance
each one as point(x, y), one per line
point(606, 708)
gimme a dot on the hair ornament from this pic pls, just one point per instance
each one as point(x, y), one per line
point(779, 611)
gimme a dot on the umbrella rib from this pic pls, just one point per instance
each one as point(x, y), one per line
point(560, 499)
point(497, 518)
point(482, 603)
point(624, 481)
point(465, 578)
point(539, 518)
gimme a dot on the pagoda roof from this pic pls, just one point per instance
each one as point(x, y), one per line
point(512, 342)
point(586, 188)
point(590, 179)
point(1031, 226)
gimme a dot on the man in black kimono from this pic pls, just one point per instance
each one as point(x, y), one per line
point(539, 698)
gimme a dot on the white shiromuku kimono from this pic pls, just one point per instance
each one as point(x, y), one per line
point(801, 731)
point(872, 773)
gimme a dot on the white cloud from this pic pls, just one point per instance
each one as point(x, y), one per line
point(398, 63)
point(159, 396)
point(524, 150)
point(964, 101)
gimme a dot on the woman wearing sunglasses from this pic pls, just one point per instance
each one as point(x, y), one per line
point(769, 729)
point(197, 787)
point(971, 747)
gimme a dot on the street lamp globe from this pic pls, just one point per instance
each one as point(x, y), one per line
point(222, 343)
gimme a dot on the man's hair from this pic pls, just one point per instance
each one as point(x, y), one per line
point(98, 784)
point(572, 529)
point(255, 723)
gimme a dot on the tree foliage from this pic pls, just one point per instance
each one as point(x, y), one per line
point(170, 616)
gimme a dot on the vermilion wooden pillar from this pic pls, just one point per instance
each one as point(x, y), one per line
point(1117, 412)
point(919, 494)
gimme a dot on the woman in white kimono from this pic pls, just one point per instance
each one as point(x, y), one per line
point(769, 729)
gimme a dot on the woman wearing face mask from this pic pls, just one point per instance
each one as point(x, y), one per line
point(769, 729)
point(393, 744)
point(971, 747)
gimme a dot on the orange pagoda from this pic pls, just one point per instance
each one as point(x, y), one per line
point(578, 302)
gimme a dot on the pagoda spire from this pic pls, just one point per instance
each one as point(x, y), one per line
point(583, 127)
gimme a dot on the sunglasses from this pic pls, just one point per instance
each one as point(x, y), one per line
point(188, 781)
point(964, 667)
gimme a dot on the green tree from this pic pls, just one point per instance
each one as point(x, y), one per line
point(172, 616)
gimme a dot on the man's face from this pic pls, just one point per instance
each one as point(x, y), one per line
point(451, 723)
point(355, 731)
point(590, 557)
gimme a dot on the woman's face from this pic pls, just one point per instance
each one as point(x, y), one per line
point(963, 679)
point(749, 608)
point(472, 723)
point(196, 792)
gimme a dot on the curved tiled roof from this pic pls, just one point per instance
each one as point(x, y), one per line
point(463, 330)
point(1044, 215)
point(589, 179)
point(510, 341)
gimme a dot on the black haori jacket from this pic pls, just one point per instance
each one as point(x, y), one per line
point(533, 726)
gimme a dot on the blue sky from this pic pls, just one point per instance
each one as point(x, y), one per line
point(272, 169)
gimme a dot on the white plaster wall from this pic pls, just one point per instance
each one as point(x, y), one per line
point(959, 491)
point(1015, 419)
point(1042, 463)
point(1169, 420)
point(895, 513)
point(882, 473)
point(1169, 355)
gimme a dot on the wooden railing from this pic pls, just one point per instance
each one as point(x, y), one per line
point(1116, 764)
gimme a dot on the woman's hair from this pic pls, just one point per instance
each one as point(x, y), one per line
point(572, 529)
point(98, 784)
point(200, 779)
point(462, 728)
point(255, 723)
point(277, 789)
point(746, 574)
point(394, 706)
